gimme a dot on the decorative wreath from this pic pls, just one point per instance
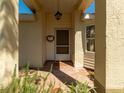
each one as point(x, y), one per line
point(50, 38)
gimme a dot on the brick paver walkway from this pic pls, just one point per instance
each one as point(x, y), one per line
point(64, 73)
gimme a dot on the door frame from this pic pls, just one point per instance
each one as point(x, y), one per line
point(69, 29)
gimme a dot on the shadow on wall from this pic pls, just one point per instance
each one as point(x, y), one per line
point(8, 39)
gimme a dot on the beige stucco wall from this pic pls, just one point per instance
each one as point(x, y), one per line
point(8, 39)
point(31, 41)
point(115, 44)
point(78, 55)
point(110, 45)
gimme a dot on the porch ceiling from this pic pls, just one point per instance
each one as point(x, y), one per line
point(66, 6)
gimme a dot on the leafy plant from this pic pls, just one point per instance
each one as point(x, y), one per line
point(28, 83)
point(80, 88)
point(38, 84)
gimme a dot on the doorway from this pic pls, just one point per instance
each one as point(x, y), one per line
point(62, 46)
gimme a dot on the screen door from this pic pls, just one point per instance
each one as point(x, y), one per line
point(62, 45)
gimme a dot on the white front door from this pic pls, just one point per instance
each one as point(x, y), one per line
point(62, 45)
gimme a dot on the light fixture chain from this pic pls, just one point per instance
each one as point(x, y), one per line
point(58, 4)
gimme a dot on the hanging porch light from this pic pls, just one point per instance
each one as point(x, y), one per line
point(58, 14)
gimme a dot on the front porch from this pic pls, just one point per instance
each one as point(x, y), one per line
point(68, 34)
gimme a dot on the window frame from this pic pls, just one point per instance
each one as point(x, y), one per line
point(86, 51)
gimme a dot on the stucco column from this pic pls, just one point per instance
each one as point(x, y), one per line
point(78, 40)
point(8, 39)
point(109, 65)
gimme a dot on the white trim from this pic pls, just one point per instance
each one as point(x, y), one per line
point(55, 29)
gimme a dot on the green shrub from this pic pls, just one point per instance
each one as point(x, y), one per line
point(32, 84)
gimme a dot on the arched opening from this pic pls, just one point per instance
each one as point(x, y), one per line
point(39, 44)
point(108, 23)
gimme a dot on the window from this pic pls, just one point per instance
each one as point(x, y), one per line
point(90, 38)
